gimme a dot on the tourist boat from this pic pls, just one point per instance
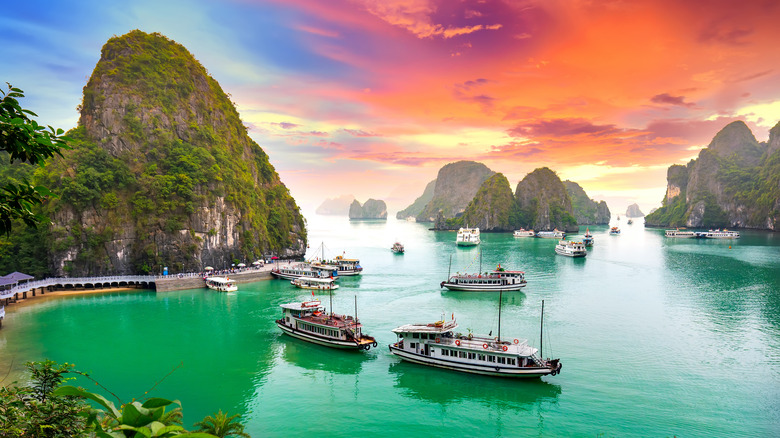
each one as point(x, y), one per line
point(681, 234)
point(221, 284)
point(614, 231)
point(721, 234)
point(398, 248)
point(308, 321)
point(411, 219)
point(304, 270)
point(522, 232)
point(344, 266)
point(554, 234)
point(588, 238)
point(314, 283)
point(467, 237)
point(630, 221)
point(571, 249)
point(438, 345)
point(498, 280)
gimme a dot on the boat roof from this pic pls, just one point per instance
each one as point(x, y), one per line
point(321, 266)
point(219, 280)
point(427, 328)
point(306, 305)
point(316, 279)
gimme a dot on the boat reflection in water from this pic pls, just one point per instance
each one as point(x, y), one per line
point(320, 358)
point(431, 385)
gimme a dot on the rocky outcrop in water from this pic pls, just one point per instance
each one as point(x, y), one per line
point(492, 207)
point(372, 209)
point(734, 182)
point(336, 206)
point(419, 204)
point(163, 173)
point(456, 185)
point(543, 202)
point(585, 210)
point(634, 211)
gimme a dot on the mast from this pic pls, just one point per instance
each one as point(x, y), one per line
point(356, 320)
point(541, 330)
point(480, 261)
point(331, 300)
point(449, 269)
point(500, 296)
point(323, 252)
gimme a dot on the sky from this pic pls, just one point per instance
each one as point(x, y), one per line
point(372, 97)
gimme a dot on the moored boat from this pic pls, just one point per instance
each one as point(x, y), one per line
point(630, 221)
point(499, 279)
point(681, 234)
point(308, 321)
point(720, 234)
point(614, 231)
point(398, 248)
point(571, 249)
point(522, 232)
point(588, 238)
point(305, 270)
point(438, 345)
point(314, 283)
point(554, 234)
point(467, 237)
point(221, 284)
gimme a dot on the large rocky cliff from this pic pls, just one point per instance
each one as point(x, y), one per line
point(634, 211)
point(372, 209)
point(543, 202)
point(586, 210)
point(163, 173)
point(456, 185)
point(338, 206)
point(734, 182)
point(417, 206)
point(492, 206)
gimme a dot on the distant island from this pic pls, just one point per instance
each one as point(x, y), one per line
point(734, 182)
point(634, 211)
point(338, 206)
point(372, 209)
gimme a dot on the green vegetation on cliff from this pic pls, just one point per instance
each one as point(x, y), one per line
point(372, 209)
point(419, 204)
point(492, 206)
point(585, 210)
point(543, 202)
point(456, 185)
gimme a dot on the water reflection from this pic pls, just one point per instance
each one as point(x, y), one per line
point(446, 387)
point(319, 358)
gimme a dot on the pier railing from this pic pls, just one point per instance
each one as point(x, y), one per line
point(116, 280)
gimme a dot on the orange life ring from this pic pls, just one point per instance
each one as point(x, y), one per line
point(457, 342)
point(485, 346)
point(438, 340)
point(516, 341)
point(505, 348)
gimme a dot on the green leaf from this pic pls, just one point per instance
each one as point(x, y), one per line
point(156, 403)
point(72, 390)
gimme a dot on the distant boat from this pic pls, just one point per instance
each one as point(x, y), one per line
point(467, 237)
point(614, 231)
point(497, 280)
point(221, 284)
point(630, 221)
point(301, 270)
point(554, 234)
point(588, 238)
point(314, 283)
point(398, 248)
point(522, 232)
point(571, 249)
point(721, 234)
point(681, 234)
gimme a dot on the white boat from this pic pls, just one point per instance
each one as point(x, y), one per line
point(344, 266)
point(681, 234)
point(522, 232)
point(721, 234)
point(411, 219)
point(438, 345)
point(314, 283)
point(554, 234)
point(588, 238)
point(398, 248)
point(467, 237)
point(497, 280)
point(301, 270)
point(308, 321)
point(614, 231)
point(630, 221)
point(221, 284)
point(571, 249)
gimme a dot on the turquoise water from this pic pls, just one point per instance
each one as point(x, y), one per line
point(658, 337)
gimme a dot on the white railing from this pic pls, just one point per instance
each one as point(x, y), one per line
point(30, 285)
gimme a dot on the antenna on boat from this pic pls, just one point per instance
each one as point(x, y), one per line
point(449, 269)
point(331, 300)
point(541, 330)
point(356, 319)
point(480, 261)
point(500, 296)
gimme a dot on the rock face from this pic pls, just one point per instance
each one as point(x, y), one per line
point(372, 209)
point(335, 206)
point(163, 173)
point(456, 185)
point(417, 206)
point(634, 211)
point(543, 202)
point(585, 210)
point(735, 182)
point(491, 208)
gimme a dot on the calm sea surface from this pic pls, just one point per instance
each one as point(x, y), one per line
point(658, 337)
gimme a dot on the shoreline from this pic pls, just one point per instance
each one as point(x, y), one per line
point(24, 302)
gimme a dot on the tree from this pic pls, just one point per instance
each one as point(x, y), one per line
point(24, 140)
point(221, 425)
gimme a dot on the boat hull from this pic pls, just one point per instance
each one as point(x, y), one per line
point(483, 288)
point(467, 243)
point(499, 371)
point(319, 340)
point(570, 254)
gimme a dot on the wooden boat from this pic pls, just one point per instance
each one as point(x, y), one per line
point(571, 249)
point(588, 238)
point(398, 248)
point(220, 284)
point(309, 322)
point(314, 283)
point(522, 232)
point(499, 279)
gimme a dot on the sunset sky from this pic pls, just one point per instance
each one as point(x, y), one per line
point(372, 97)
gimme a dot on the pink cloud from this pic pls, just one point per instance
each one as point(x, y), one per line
point(668, 99)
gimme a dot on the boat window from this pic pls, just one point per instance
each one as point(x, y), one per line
point(445, 352)
point(501, 359)
point(481, 356)
point(412, 345)
point(491, 358)
point(415, 335)
point(510, 361)
point(462, 354)
point(472, 355)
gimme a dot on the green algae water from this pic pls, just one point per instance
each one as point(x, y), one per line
point(657, 336)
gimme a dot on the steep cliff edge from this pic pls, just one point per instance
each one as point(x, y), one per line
point(734, 182)
point(163, 173)
point(417, 206)
point(543, 202)
point(372, 209)
point(456, 185)
point(585, 210)
point(492, 206)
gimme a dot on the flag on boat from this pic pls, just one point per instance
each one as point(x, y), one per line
point(453, 316)
point(312, 294)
